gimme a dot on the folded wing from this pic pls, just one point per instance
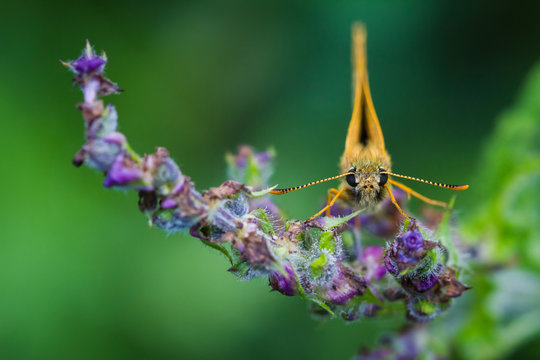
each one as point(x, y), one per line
point(364, 128)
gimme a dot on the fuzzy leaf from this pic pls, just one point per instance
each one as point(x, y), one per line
point(317, 266)
point(331, 222)
point(260, 192)
point(219, 248)
point(264, 222)
point(327, 241)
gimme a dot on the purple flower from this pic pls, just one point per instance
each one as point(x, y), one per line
point(425, 283)
point(88, 62)
point(390, 266)
point(412, 239)
point(419, 267)
point(163, 173)
point(372, 258)
point(341, 293)
point(345, 285)
point(122, 171)
point(170, 202)
point(284, 280)
point(407, 257)
point(101, 153)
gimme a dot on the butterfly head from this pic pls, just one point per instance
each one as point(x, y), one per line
point(367, 183)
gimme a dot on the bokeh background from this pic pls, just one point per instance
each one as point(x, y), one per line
point(81, 274)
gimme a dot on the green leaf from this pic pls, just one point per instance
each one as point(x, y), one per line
point(369, 296)
point(320, 303)
point(264, 222)
point(331, 222)
point(312, 298)
point(327, 242)
point(317, 266)
point(427, 307)
point(261, 192)
point(406, 224)
point(219, 248)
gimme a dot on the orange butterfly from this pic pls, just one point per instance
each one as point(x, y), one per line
point(365, 164)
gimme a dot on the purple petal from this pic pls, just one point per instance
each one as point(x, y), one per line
point(372, 252)
point(341, 295)
point(284, 282)
point(412, 239)
point(168, 203)
point(115, 138)
point(345, 286)
point(390, 265)
point(88, 64)
point(122, 172)
point(372, 257)
point(426, 284)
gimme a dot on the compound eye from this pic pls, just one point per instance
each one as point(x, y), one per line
point(351, 178)
point(383, 178)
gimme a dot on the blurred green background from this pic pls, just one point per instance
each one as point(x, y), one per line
point(81, 274)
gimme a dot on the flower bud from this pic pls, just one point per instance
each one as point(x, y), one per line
point(167, 178)
point(251, 242)
point(173, 220)
point(421, 309)
point(101, 153)
point(88, 62)
point(104, 125)
point(344, 286)
point(123, 171)
point(283, 280)
point(414, 261)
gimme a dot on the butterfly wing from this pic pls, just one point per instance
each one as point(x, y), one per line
point(364, 128)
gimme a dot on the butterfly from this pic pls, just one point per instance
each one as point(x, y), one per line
point(366, 167)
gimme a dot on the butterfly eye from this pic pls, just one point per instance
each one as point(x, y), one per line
point(383, 178)
point(351, 178)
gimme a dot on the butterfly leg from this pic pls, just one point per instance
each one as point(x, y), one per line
point(331, 193)
point(389, 188)
point(329, 205)
point(410, 191)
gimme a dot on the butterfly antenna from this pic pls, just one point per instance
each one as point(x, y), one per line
point(446, 186)
point(288, 190)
